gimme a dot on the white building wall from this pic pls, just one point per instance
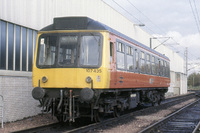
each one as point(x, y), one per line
point(16, 88)
point(37, 14)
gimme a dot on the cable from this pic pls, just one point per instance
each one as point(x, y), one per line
point(131, 15)
point(196, 11)
point(195, 18)
point(191, 57)
point(145, 16)
point(126, 11)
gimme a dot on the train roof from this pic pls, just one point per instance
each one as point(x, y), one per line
point(85, 23)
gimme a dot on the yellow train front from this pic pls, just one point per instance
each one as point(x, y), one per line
point(72, 72)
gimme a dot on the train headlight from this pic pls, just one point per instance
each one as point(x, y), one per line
point(88, 79)
point(44, 79)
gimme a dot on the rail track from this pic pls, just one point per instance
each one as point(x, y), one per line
point(186, 120)
point(93, 127)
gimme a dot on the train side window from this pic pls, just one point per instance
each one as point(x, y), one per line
point(148, 64)
point(111, 52)
point(153, 65)
point(129, 58)
point(161, 68)
point(120, 56)
point(136, 61)
point(165, 69)
point(142, 67)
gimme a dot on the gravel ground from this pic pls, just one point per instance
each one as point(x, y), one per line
point(131, 125)
point(142, 119)
point(26, 123)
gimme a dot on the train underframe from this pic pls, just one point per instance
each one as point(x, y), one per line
point(67, 105)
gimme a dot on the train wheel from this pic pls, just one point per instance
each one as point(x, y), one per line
point(117, 112)
point(159, 101)
point(154, 100)
point(60, 118)
point(98, 116)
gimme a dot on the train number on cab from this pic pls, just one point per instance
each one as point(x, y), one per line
point(93, 70)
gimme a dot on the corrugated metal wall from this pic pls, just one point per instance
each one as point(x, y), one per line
point(37, 14)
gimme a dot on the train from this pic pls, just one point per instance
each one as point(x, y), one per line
point(84, 68)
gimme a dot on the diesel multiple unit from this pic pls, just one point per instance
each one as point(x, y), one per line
point(83, 68)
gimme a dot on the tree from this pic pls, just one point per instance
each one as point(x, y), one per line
point(194, 79)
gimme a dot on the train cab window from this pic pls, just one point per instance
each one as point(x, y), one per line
point(120, 56)
point(148, 64)
point(67, 50)
point(129, 58)
point(143, 65)
point(153, 65)
point(47, 50)
point(90, 50)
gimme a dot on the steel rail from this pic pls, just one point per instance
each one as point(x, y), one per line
point(196, 128)
point(111, 120)
point(105, 122)
point(150, 128)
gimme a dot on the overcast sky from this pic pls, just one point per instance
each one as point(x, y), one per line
point(171, 18)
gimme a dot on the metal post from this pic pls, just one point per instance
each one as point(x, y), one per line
point(150, 43)
point(186, 54)
point(70, 105)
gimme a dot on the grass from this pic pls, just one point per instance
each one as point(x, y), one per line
point(194, 88)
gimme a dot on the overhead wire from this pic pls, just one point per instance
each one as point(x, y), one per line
point(183, 48)
point(131, 14)
point(196, 12)
point(195, 15)
point(145, 16)
point(191, 57)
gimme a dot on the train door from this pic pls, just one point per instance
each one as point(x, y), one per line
point(112, 61)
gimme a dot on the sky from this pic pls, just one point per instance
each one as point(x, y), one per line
point(178, 19)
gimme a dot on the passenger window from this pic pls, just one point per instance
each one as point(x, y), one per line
point(148, 64)
point(129, 58)
point(161, 67)
point(137, 60)
point(142, 67)
point(120, 56)
point(153, 65)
